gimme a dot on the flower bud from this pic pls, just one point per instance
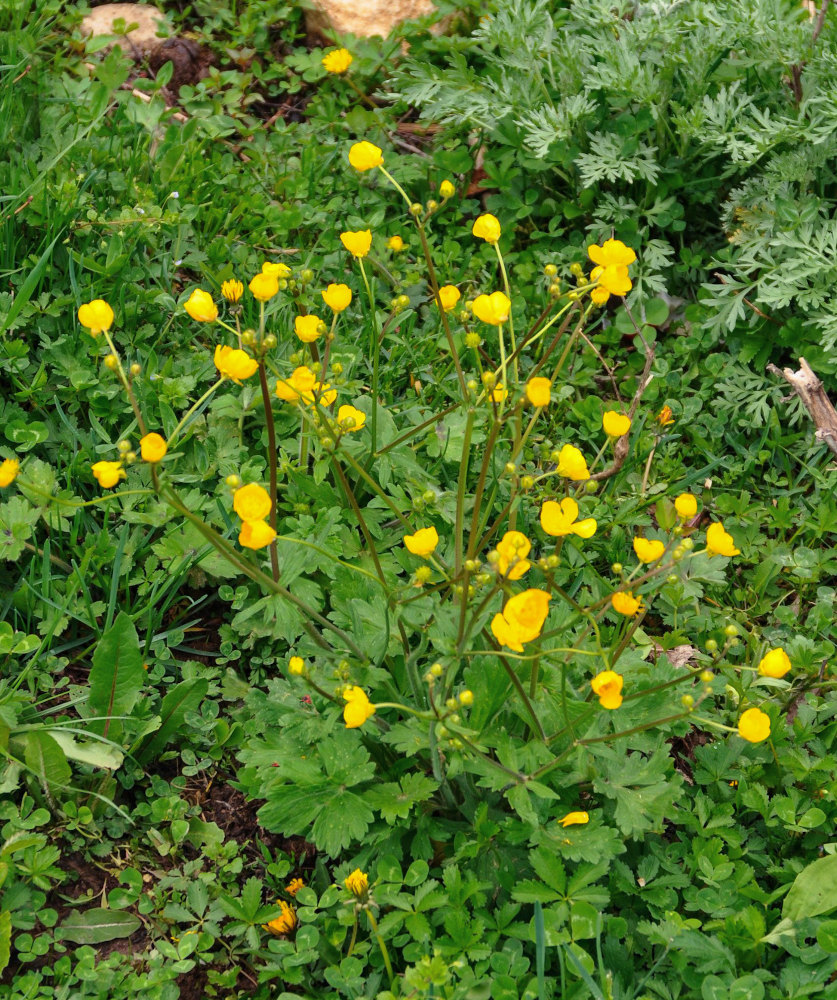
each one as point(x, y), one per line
point(307, 275)
point(337, 368)
point(550, 270)
point(248, 337)
point(472, 339)
point(465, 317)
point(688, 544)
point(269, 342)
point(711, 646)
point(432, 205)
point(111, 362)
point(233, 481)
point(471, 385)
point(510, 469)
point(591, 486)
point(466, 698)
point(707, 676)
point(123, 446)
point(472, 565)
point(130, 457)
point(135, 369)
point(555, 456)
point(416, 209)
point(678, 553)
point(673, 578)
point(489, 379)
point(731, 631)
point(429, 496)
point(455, 718)
point(423, 574)
point(616, 568)
point(451, 703)
point(687, 701)
point(493, 557)
point(555, 290)
point(483, 578)
point(553, 562)
point(527, 482)
point(437, 670)
point(295, 358)
point(283, 284)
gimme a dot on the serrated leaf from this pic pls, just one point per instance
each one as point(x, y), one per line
point(97, 925)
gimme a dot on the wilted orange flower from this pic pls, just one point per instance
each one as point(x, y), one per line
point(285, 922)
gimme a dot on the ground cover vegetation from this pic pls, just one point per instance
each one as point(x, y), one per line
point(412, 584)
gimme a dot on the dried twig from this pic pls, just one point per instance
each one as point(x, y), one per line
point(810, 390)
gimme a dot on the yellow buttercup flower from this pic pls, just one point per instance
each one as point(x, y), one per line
point(337, 61)
point(447, 190)
point(366, 156)
point(648, 550)
point(298, 385)
point(153, 448)
point(608, 687)
point(423, 542)
point(775, 663)
point(296, 666)
point(754, 725)
point(232, 290)
point(395, 243)
point(337, 297)
point(685, 505)
point(9, 469)
point(264, 286)
point(322, 394)
point(493, 309)
point(108, 473)
point(513, 548)
point(307, 328)
point(234, 364)
point(720, 542)
point(599, 295)
point(251, 502)
point(560, 519)
point(625, 603)
point(358, 242)
point(612, 253)
point(285, 922)
point(449, 295)
point(498, 393)
point(357, 709)
point(255, 534)
point(574, 819)
point(97, 316)
point(613, 259)
point(276, 270)
point(487, 228)
point(615, 424)
point(293, 887)
point(521, 620)
point(349, 418)
point(539, 391)
point(572, 464)
point(357, 883)
point(201, 307)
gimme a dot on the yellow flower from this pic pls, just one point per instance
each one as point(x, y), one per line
point(232, 290)
point(276, 270)
point(487, 228)
point(754, 725)
point(665, 417)
point(153, 447)
point(608, 687)
point(775, 663)
point(322, 394)
point(538, 391)
point(686, 505)
point(296, 666)
point(337, 297)
point(560, 519)
point(264, 286)
point(366, 156)
point(492, 308)
point(521, 619)
point(200, 306)
point(97, 316)
point(307, 328)
point(298, 385)
point(599, 295)
point(612, 253)
point(255, 534)
point(293, 887)
point(350, 419)
point(720, 542)
point(396, 243)
point(357, 883)
point(449, 295)
point(337, 61)
point(447, 190)
point(648, 550)
point(9, 469)
point(574, 819)
point(612, 280)
point(498, 393)
point(357, 709)
point(108, 473)
point(285, 922)
point(613, 259)
point(251, 502)
point(423, 542)
point(357, 243)
point(513, 548)
point(615, 424)
point(625, 603)
point(234, 364)
point(572, 464)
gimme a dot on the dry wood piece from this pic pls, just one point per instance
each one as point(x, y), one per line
point(809, 389)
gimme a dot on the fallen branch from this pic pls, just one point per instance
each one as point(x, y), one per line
point(809, 388)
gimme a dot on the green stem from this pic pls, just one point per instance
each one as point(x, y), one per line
point(271, 461)
point(383, 947)
point(193, 409)
point(376, 353)
point(132, 399)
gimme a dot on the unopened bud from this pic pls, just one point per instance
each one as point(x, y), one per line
point(416, 209)
point(112, 362)
point(550, 270)
point(437, 670)
point(687, 701)
point(135, 369)
point(269, 342)
point(466, 698)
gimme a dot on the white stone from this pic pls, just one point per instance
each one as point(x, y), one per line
point(364, 17)
point(142, 39)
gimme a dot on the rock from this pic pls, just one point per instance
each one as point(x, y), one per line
point(142, 39)
point(363, 17)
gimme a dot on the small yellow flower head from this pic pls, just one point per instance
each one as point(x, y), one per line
point(599, 295)
point(539, 391)
point(572, 464)
point(153, 448)
point(276, 270)
point(285, 922)
point(108, 473)
point(296, 666)
point(201, 307)
point(293, 887)
point(522, 619)
point(574, 819)
point(366, 156)
point(264, 286)
point(423, 542)
point(97, 316)
point(560, 519)
point(625, 603)
point(498, 393)
point(449, 295)
point(493, 309)
point(298, 385)
point(775, 663)
point(322, 394)
point(665, 418)
point(9, 469)
point(255, 534)
point(396, 244)
point(357, 243)
point(648, 550)
point(337, 297)
point(337, 61)
point(252, 502)
point(447, 190)
point(615, 424)
point(350, 419)
point(234, 364)
point(754, 725)
point(612, 253)
point(487, 228)
point(357, 709)
point(720, 542)
point(232, 290)
point(608, 687)
point(513, 548)
point(685, 505)
point(307, 328)
point(357, 883)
